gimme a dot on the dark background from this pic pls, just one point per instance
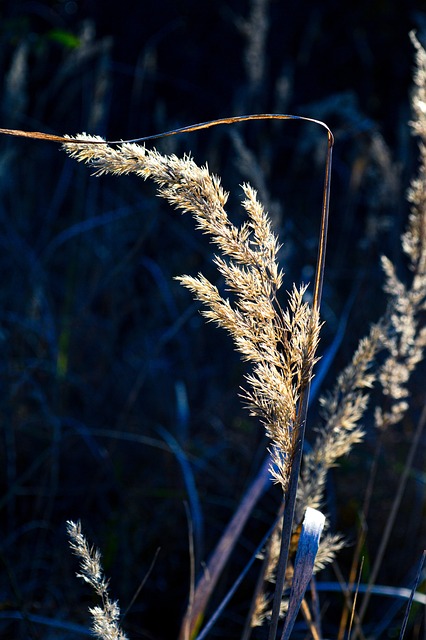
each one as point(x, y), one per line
point(105, 361)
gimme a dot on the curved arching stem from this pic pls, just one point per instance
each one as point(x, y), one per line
point(319, 273)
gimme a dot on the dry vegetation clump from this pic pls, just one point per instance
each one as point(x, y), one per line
point(280, 343)
point(120, 407)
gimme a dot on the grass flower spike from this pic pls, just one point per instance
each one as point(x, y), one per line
point(279, 344)
point(105, 624)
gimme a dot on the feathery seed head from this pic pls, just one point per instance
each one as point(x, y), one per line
point(279, 344)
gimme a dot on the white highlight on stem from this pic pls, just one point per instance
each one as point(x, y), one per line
point(307, 549)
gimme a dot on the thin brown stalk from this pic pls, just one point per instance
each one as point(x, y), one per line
point(48, 137)
point(186, 629)
point(303, 409)
point(355, 599)
point(347, 594)
point(309, 620)
point(352, 576)
point(194, 614)
point(288, 519)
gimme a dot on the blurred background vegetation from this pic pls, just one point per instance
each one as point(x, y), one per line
point(110, 380)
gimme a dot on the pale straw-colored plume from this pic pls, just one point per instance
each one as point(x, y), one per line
point(105, 619)
point(405, 338)
point(342, 411)
point(279, 340)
